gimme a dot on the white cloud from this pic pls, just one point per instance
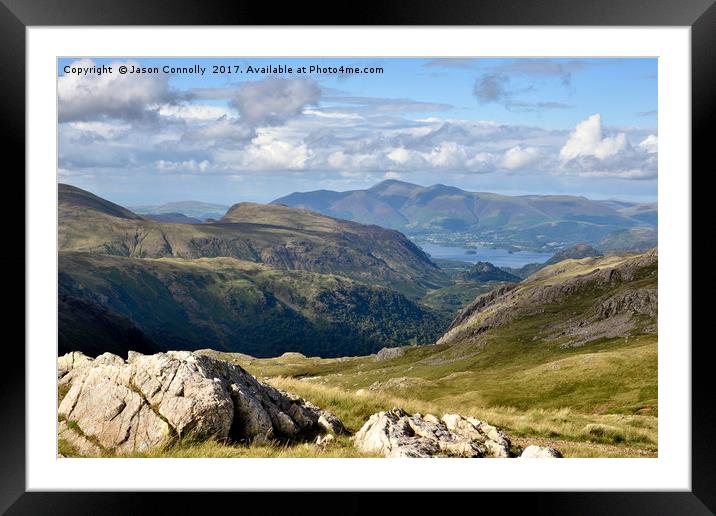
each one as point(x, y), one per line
point(336, 159)
point(193, 111)
point(588, 153)
point(323, 113)
point(290, 133)
point(650, 144)
point(449, 155)
point(105, 130)
point(220, 131)
point(113, 95)
point(482, 162)
point(399, 155)
point(518, 157)
point(188, 165)
point(268, 152)
point(587, 139)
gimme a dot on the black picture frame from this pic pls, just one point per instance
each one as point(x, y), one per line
point(17, 15)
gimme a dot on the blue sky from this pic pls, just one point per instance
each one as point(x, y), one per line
point(514, 126)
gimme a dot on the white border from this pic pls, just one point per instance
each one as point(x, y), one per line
point(670, 471)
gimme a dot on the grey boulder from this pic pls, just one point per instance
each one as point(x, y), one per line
point(540, 452)
point(399, 434)
point(152, 400)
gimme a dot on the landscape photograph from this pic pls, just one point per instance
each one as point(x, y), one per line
point(357, 258)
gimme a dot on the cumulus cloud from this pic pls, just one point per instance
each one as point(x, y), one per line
point(401, 156)
point(589, 153)
point(129, 96)
point(588, 140)
point(518, 157)
point(272, 101)
point(449, 155)
point(650, 144)
point(268, 151)
point(482, 162)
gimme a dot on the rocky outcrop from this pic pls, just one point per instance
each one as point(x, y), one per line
point(399, 434)
point(151, 400)
point(480, 303)
point(621, 288)
point(643, 301)
point(485, 271)
point(539, 452)
point(389, 354)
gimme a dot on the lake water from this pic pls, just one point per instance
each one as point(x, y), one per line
point(497, 257)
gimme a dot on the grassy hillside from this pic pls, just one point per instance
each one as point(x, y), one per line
point(578, 371)
point(575, 252)
point(235, 305)
point(284, 238)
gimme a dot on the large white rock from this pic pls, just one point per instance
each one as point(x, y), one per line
point(399, 434)
point(151, 400)
point(540, 452)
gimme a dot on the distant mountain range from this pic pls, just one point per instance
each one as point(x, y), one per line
point(528, 221)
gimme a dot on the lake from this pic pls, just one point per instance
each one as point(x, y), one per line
point(497, 257)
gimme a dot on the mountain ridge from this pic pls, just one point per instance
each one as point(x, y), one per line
point(283, 237)
point(530, 220)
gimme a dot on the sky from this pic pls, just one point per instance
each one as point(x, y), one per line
point(172, 129)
